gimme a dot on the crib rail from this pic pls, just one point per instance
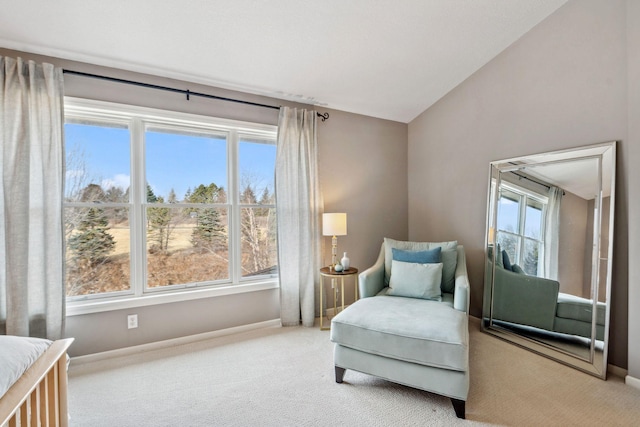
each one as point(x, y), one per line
point(39, 397)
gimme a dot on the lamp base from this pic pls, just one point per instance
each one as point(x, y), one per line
point(334, 251)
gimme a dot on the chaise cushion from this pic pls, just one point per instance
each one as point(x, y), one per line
point(413, 330)
point(573, 307)
point(447, 298)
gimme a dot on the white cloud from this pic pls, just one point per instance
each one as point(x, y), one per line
point(118, 180)
point(74, 174)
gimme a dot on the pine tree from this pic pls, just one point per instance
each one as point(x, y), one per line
point(151, 196)
point(206, 194)
point(92, 243)
point(172, 198)
point(158, 222)
point(209, 234)
point(265, 199)
point(116, 195)
point(248, 196)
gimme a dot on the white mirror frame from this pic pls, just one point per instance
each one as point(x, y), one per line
point(596, 361)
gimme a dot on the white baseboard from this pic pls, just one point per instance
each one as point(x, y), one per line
point(633, 382)
point(80, 360)
point(616, 370)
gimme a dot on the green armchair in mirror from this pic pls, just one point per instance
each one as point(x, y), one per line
point(531, 301)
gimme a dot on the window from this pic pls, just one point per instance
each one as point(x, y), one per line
point(159, 201)
point(521, 228)
point(97, 211)
point(257, 207)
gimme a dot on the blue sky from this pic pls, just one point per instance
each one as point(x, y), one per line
point(507, 215)
point(175, 161)
point(508, 218)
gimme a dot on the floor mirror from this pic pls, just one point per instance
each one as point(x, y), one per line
point(549, 247)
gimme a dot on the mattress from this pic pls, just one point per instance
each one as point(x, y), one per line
point(17, 354)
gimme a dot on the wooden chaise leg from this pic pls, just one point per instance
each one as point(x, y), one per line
point(458, 406)
point(339, 374)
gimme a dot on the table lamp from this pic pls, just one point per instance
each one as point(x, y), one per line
point(334, 224)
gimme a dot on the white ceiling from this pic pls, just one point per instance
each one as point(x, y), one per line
point(574, 170)
point(383, 58)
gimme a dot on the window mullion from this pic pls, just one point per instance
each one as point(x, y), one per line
point(235, 250)
point(137, 198)
point(522, 208)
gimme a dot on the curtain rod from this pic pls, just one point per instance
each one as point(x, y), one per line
point(534, 181)
point(186, 92)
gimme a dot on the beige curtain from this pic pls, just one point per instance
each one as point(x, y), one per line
point(552, 234)
point(31, 241)
point(299, 208)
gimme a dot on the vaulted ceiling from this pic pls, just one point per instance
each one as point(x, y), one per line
point(390, 59)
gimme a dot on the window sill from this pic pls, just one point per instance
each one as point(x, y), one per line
point(77, 308)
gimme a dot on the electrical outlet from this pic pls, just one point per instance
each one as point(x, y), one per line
point(132, 321)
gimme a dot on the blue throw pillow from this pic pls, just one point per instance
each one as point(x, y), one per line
point(506, 262)
point(516, 269)
point(432, 256)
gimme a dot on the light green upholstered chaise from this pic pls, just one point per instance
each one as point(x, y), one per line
point(521, 299)
point(421, 343)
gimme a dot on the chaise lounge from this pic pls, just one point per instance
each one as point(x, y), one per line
point(530, 301)
point(405, 330)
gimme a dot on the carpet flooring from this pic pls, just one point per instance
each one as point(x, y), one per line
point(285, 377)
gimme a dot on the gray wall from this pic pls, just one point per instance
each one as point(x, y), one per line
point(633, 182)
point(363, 169)
point(562, 85)
point(363, 163)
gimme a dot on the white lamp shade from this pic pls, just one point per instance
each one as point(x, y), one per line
point(334, 224)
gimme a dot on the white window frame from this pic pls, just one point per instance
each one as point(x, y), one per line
point(523, 196)
point(138, 120)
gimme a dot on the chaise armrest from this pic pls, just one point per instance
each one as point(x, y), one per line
point(523, 299)
point(371, 281)
point(461, 293)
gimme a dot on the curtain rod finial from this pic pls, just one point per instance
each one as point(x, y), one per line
point(323, 117)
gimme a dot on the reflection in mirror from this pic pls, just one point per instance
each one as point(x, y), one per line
point(549, 254)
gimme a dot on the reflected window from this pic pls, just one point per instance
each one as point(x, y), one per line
point(521, 228)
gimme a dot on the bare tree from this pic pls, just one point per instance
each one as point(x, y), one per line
point(257, 236)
